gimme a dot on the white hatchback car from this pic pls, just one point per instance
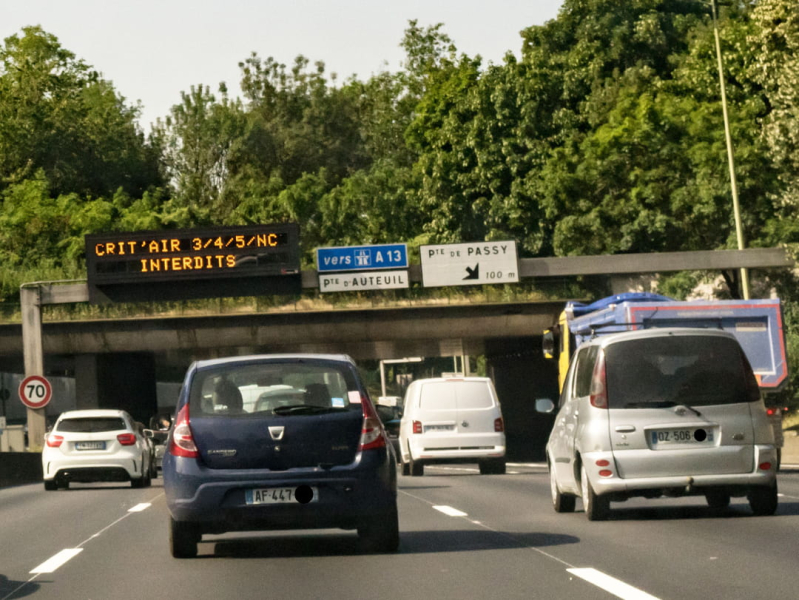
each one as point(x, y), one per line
point(455, 420)
point(95, 445)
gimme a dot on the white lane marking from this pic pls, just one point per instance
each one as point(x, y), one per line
point(611, 584)
point(448, 510)
point(500, 533)
point(36, 575)
point(569, 567)
point(52, 563)
point(140, 507)
point(787, 496)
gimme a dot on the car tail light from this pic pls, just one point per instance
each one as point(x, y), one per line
point(372, 436)
point(605, 473)
point(127, 439)
point(598, 391)
point(417, 427)
point(54, 441)
point(182, 442)
point(765, 466)
point(499, 425)
point(602, 463)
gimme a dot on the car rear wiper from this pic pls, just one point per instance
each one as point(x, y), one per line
point(306, 409)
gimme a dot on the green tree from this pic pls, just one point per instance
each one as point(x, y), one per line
point(200, 142)
point(58, 115)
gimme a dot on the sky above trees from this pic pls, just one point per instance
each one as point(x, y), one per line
point(154, 49)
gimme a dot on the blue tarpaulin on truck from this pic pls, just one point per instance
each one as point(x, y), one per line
point(756, 324)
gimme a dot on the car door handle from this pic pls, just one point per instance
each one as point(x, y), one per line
point(625, 428)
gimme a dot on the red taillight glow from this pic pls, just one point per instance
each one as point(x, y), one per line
point(417, 427)
point(372, 436)
point(606, 473)
point(499, 425)
point(182, 442)
point(771, 411)
point(127, 439)
point(598, 391)
point(54, 441)
point(602, 463)
point(765, 466)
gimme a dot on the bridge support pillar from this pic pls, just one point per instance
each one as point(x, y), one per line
point(122, 381)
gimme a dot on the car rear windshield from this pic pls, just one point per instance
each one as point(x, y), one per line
point(666, 371)
point(452, 395)
point(91, 424)
point(284, 388)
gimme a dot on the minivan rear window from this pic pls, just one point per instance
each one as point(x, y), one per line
point(91, 424)
point(687, 369)
point(283, 388)
point(452, 395)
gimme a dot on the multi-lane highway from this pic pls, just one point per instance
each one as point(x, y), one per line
point(463, 536)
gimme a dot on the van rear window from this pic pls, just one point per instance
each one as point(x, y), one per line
point(452, 395)
point(666, 371)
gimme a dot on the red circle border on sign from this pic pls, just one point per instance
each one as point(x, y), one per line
point(47, 387)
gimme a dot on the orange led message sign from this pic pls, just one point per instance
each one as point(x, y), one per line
point(240, 253)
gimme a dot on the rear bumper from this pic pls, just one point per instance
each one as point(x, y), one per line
point(121, 466)
point(456, 448)
point(215, 498)
point(688, 484)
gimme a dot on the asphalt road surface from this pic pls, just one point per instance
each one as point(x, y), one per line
point(463, 536)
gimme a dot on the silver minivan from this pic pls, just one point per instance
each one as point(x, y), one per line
point(452, 420)
point(660, 412)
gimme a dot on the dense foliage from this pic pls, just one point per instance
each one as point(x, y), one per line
point(603, 135)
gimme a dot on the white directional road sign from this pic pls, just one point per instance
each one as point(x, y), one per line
point(356, 282)
point(35, 391)
point(474, 263)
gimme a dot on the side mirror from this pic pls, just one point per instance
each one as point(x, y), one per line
point(544, 405)
point(149, 433)
point(548, 344)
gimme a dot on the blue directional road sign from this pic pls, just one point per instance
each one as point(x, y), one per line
point(362, 258)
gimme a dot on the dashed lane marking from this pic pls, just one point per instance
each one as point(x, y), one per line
point(452, 512)
point(611, 584)
point(52, 563)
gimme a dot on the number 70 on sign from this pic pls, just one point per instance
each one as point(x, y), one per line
point(35, 391)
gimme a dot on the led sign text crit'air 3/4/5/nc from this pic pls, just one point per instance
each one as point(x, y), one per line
point(230, 253)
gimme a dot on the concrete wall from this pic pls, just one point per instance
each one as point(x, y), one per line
point(17, 468)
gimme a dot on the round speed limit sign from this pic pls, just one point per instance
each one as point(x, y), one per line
point(35, 391)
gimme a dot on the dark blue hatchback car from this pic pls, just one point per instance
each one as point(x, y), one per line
point(278, 442)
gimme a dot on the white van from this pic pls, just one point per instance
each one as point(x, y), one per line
point(452, 420)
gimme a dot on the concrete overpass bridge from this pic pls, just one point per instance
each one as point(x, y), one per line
point(116, 362)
